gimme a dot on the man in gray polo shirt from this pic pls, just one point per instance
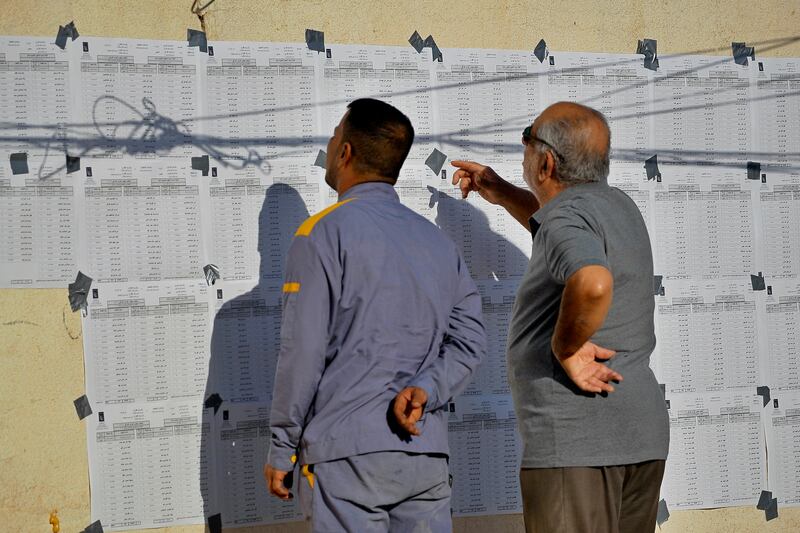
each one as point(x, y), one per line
point(594, 445)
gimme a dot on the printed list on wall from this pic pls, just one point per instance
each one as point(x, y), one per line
point(139, 163)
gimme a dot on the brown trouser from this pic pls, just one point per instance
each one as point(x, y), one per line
point(606, 499)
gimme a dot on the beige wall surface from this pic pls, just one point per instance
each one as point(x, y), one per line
point(43, 460)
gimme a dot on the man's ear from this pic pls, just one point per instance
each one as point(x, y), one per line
point(346, 154)
point(549, 164)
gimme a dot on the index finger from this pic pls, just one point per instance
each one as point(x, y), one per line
point(469, 166)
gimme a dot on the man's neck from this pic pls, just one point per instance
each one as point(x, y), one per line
point(549, 192)
point(349, 182)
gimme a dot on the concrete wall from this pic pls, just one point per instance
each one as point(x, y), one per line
point(43, 461)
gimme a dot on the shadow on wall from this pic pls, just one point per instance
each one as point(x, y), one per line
point(244, 354)
point(147, 132)
point(489, 255)
point(246, 339)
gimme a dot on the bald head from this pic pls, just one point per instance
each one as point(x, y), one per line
point(581, 139)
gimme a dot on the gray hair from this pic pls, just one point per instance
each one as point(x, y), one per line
point(576, 161)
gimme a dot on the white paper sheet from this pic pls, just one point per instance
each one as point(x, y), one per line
point(251, 216)
point(783, 445)
point(258, 103)
point(782, 332)
point(244, 342)
point(147, 342)
point(483, 100)
point(702, 110)
point(37, 209)
point(485, 451)
point(150, 465)
point(779, 223)
point(709, 337)
point(704, 223)
point(135, 98)
point(717, 453)
point(397, 75)
point(35, 100)
point(241, 441)
point(39, 241)
point(140, 221)
point(776, 111)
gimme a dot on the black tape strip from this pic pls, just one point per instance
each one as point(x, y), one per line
point(82, 407)
point(753, 170)
point(648, 48)
point(19, 163)
point(79, 291)
point(663, 512)
point(315, 40)
point(435, 161)
point(417, 42)
point(215, 400)
point(763, 391)
point(651, 167)
point(197, 38)
point(201, 164)
point(541, 52)
point(321, 160)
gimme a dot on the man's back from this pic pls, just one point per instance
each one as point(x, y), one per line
point(393, 280)
point(381, 327)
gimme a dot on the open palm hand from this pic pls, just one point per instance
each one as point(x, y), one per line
point(585, 369)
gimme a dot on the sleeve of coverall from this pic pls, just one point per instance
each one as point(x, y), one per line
point(304, 340)
point(463, 347)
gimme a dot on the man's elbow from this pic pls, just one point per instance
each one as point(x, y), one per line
point(593, 283)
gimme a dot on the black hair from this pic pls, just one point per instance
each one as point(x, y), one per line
point(381, 137)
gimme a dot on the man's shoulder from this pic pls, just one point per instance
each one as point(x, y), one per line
point(359, 215)
point(592, 201)
point(330, 217)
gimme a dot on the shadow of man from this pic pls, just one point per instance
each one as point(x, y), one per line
point(491, 258)
point(244, 352)
point(489, 255)
point(494, 262)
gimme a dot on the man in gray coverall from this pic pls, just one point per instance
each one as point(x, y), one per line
point(381, 327)
point(594, 445)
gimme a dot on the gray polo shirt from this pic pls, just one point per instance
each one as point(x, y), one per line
point(590, 224)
